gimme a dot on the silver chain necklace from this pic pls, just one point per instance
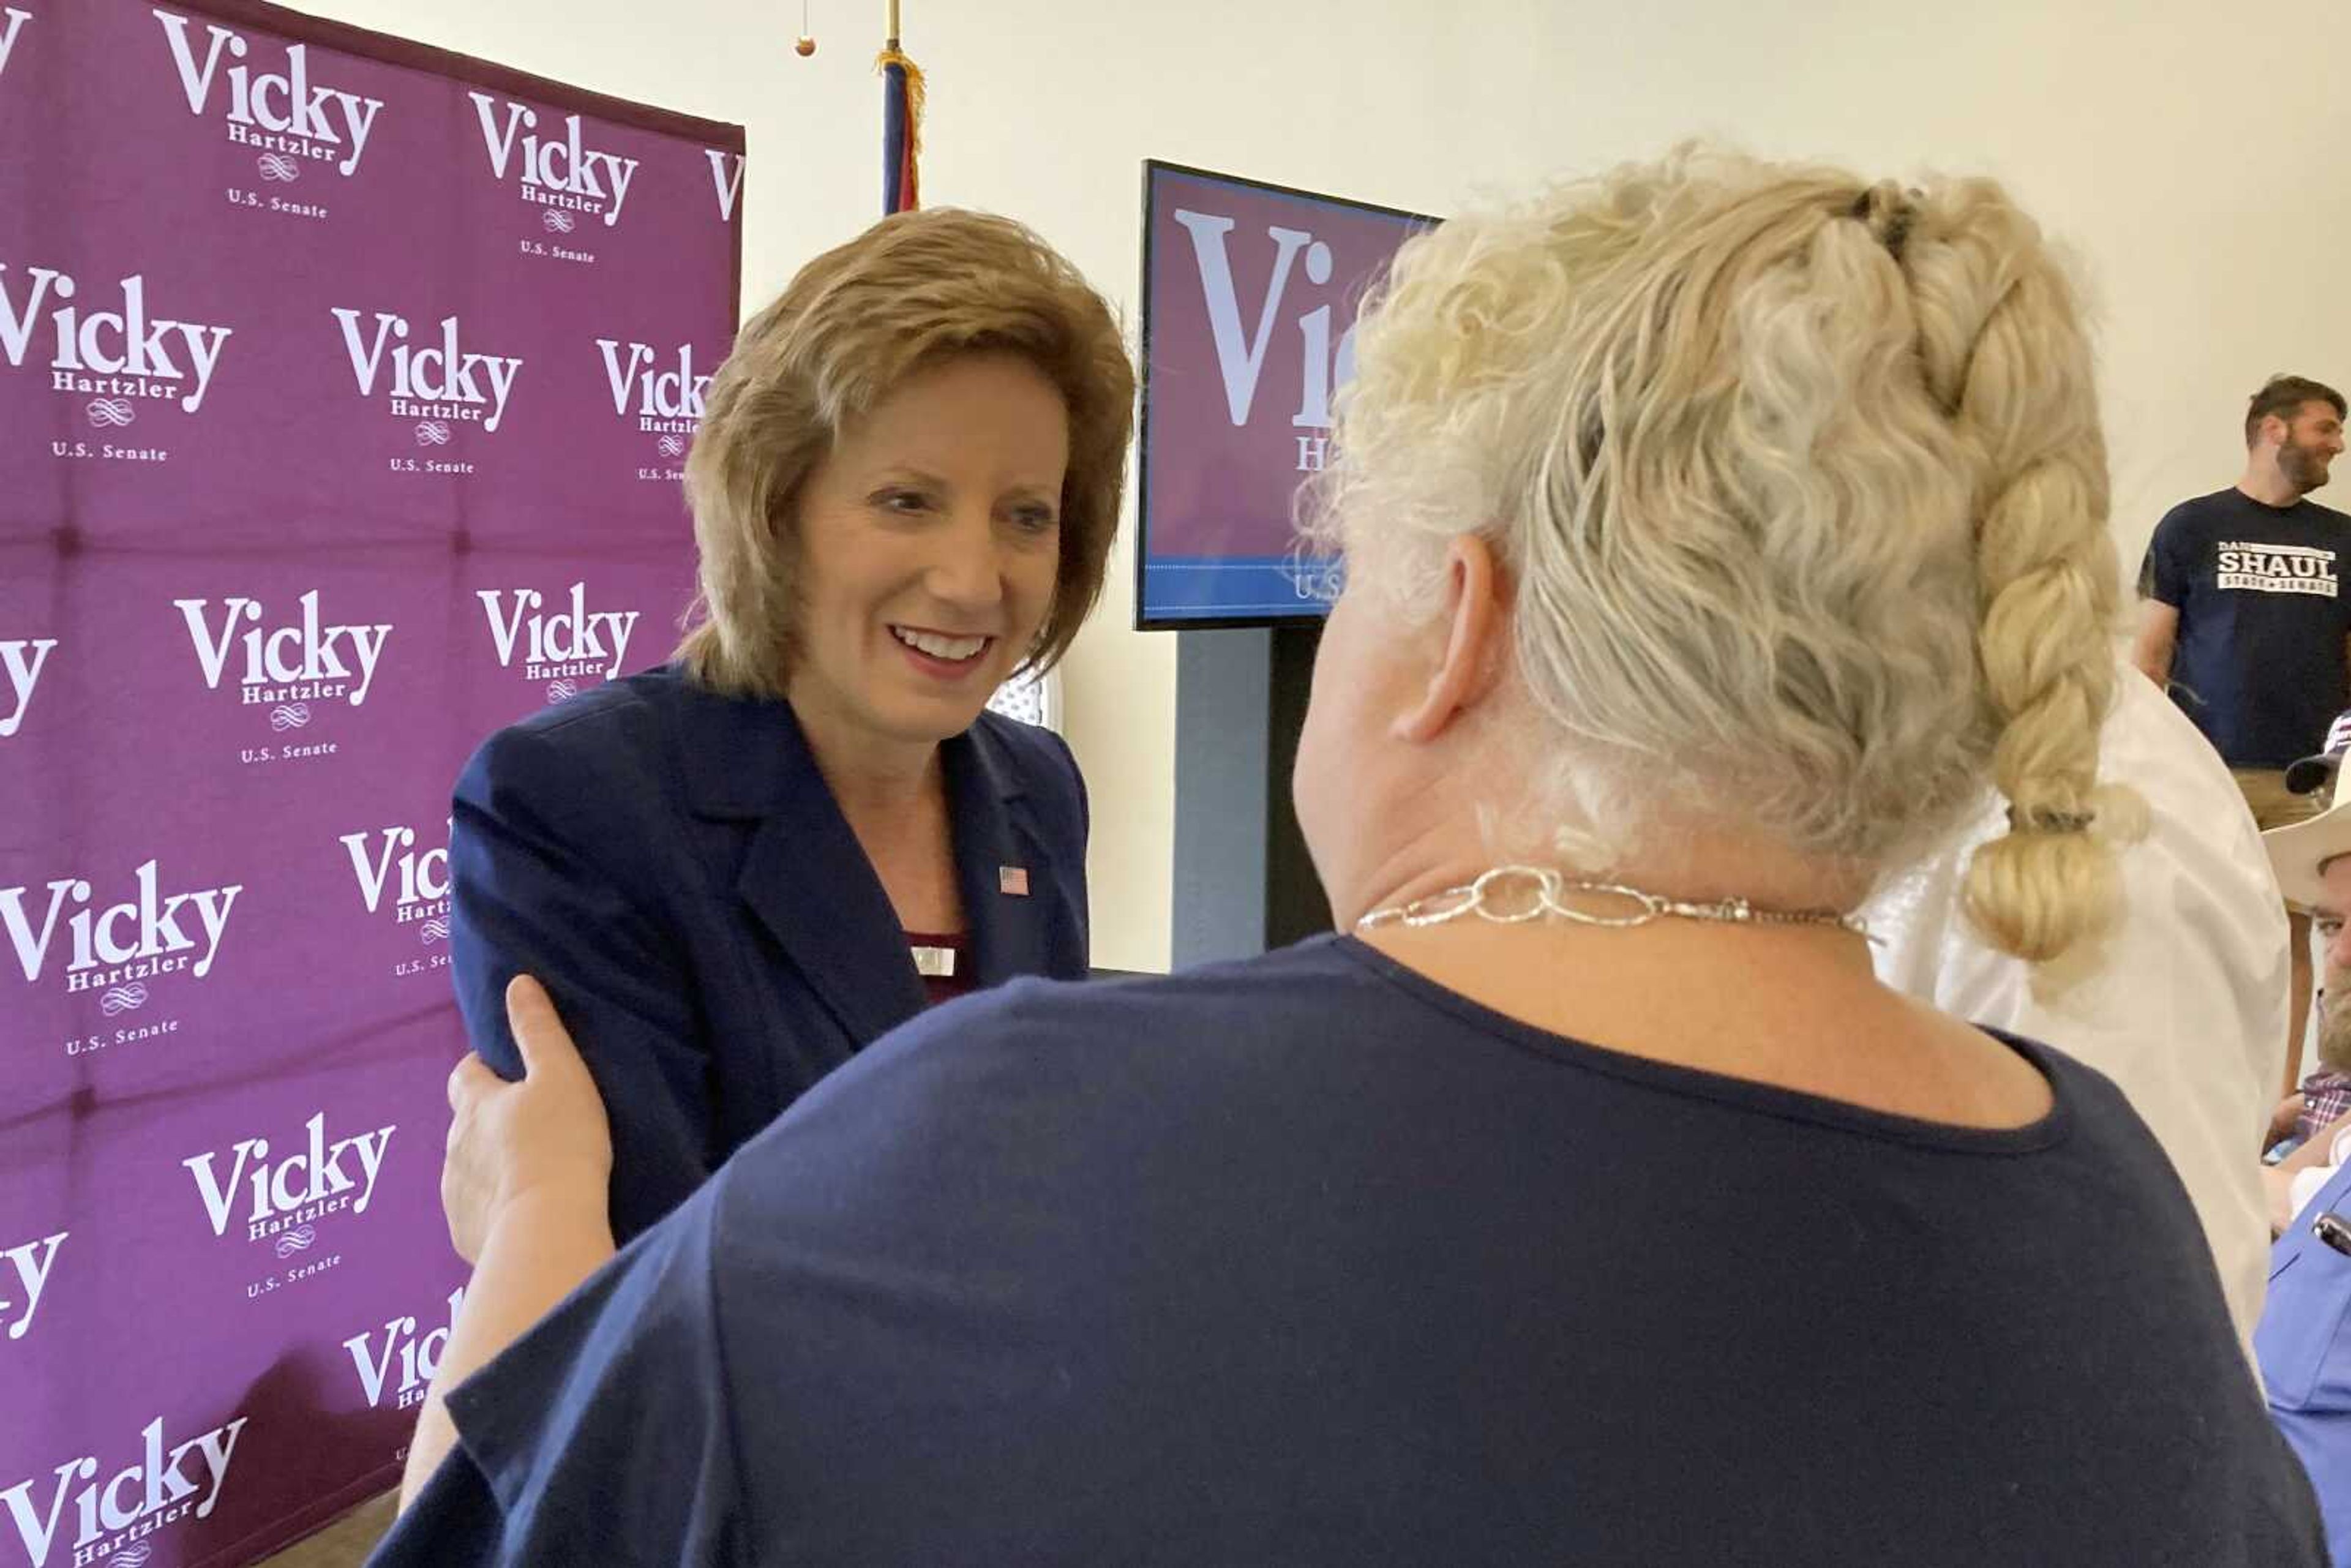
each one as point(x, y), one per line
point(1514, 895)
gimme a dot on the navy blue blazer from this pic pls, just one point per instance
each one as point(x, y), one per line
point(671, 865)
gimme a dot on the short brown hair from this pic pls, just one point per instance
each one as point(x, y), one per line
point(915, 288)
point(2284, 396)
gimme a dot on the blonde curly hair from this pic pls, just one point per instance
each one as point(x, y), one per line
point(1802, 487)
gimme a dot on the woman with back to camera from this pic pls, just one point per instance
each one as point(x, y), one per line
point(733, 871)
point(1715, 533)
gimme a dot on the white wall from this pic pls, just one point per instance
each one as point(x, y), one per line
point(2191, 158)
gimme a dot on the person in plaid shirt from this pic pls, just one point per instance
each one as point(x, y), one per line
point(2326, 1094)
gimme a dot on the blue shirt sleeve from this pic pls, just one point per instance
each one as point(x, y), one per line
point(2170, 572)
point(2304, 1344)
point(604, 1436)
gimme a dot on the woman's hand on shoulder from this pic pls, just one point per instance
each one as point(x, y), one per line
point(544, 1137)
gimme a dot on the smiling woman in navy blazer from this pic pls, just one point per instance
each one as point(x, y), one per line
point(733, 871)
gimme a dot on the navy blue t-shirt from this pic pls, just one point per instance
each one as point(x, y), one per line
point(1307, 1260)
point(2260, 663)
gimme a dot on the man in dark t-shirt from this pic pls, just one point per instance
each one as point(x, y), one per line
point(2245, 622)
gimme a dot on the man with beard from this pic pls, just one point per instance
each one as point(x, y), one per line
point(2245, 622)
point(2325, 1097)
point(2304, 1342)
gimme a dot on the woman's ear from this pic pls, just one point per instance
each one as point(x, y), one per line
point(1476, 620)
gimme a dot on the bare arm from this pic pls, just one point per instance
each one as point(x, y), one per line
point(524, 1185)
point(540, 1249)
point(2277, 1180)
point(2158, 633)
point(2318, 1149)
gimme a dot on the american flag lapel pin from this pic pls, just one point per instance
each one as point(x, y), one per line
point(1012, 881)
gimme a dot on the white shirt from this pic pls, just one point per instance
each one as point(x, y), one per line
point(2183, 1003)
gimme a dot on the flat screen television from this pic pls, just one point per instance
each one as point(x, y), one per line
point(1250, 294)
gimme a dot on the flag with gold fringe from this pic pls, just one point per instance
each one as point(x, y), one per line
point(902, 125)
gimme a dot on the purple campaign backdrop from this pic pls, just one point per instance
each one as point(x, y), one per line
point(344, 390)
point(1250, 300)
